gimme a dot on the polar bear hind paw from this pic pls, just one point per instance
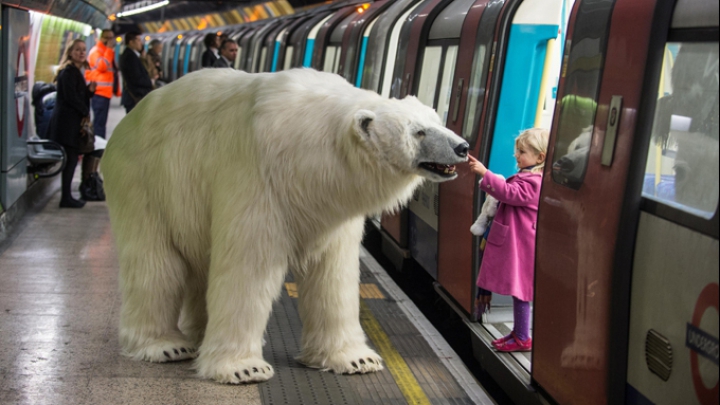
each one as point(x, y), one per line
point(363, 365)
point(359, 361)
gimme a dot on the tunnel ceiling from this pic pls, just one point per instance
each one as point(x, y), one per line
point(186, 8)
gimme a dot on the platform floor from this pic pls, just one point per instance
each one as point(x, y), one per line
point(59, 311)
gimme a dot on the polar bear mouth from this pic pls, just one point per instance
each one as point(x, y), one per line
point(439, 169)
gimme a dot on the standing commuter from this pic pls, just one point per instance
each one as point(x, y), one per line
point(72, 104)
point(211, 53)
point(228, 53)
point(102, 71)
point(136, 80)
point(508, 263)
point(153, 59)
point(149, 66)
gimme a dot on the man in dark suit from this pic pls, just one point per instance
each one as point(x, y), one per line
point(136, 80)
point(211, 54)
point(228, 53)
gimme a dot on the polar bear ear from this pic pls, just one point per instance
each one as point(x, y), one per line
point(363, 120)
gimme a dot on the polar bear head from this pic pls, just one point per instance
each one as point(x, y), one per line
point(409, 136)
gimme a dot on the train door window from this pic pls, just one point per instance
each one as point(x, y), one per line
point(682, 165)
point(239, 57)
point(332, 59)
point(582, 69)
point(263, 58)
point(446, 83)
point(288, 57)
point(428, 78)
point(193, 53)
point(476, 93)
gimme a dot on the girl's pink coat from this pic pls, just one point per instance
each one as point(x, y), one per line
point(509, 258)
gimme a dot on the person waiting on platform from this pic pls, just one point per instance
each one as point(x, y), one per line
point(136, 80)
point(102, 71)
point(149, 66)
point(72, 104)
point(211, 54)
point(154, 60)
point(509, 257)
point(228, 53)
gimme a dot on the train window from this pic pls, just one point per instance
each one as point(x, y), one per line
point(332, 57)
point(476, 93)
point(263, 59)
point(429, 75)
point(446, 84)
point(582, 69)
point(239, 58)
point(682, 165)
point(288, 58)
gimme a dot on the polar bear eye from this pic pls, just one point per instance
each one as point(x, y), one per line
point(420, 134)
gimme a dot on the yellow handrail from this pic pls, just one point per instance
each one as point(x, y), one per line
point(544, 81)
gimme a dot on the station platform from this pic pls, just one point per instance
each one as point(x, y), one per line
point(59, 317)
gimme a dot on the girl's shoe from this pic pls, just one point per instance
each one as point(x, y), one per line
point(499, 342)
point(515, 345)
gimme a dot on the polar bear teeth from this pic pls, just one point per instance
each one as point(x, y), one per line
point(438, 168)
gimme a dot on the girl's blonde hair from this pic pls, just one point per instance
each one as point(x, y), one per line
point(536, 140)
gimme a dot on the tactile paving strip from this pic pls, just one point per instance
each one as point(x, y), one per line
point(295, 384)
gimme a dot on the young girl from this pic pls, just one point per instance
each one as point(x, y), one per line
point(509, 257)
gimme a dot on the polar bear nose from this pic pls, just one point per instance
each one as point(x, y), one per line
point(462, 149)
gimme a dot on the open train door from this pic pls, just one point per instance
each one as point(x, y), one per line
point(618, 206)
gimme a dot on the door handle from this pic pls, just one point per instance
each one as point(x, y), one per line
point(613, 122)
point(458, 96)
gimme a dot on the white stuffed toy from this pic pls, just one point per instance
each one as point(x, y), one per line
point(488, 211)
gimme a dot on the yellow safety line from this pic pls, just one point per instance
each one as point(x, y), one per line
point(368, 291)
point(393, 361)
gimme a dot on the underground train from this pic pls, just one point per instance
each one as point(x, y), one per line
point(626, 284)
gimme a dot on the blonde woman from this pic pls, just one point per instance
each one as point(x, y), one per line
point(72, 104)
point(509, 257)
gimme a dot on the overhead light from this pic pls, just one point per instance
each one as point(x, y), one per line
point(147, 6)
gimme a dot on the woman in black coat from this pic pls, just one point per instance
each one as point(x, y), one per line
point(71, 106)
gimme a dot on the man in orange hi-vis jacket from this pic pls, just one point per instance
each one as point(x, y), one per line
point(103, 71)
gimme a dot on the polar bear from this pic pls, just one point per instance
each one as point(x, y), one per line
point(221, 182)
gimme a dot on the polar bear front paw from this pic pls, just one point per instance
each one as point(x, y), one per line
point(163, 352)
point(239, 372)
point(360, 360)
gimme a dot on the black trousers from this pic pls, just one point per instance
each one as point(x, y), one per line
point(68, 173)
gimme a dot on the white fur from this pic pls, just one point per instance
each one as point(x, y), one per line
point(219, 183)
point(488, 211)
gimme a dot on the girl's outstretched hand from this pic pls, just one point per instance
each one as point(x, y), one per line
point(476, 166)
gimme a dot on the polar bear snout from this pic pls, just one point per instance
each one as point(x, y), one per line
point(440, 150)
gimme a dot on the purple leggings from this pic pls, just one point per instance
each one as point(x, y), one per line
point(521, 313)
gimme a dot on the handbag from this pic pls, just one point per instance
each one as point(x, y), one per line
point(87, 136)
